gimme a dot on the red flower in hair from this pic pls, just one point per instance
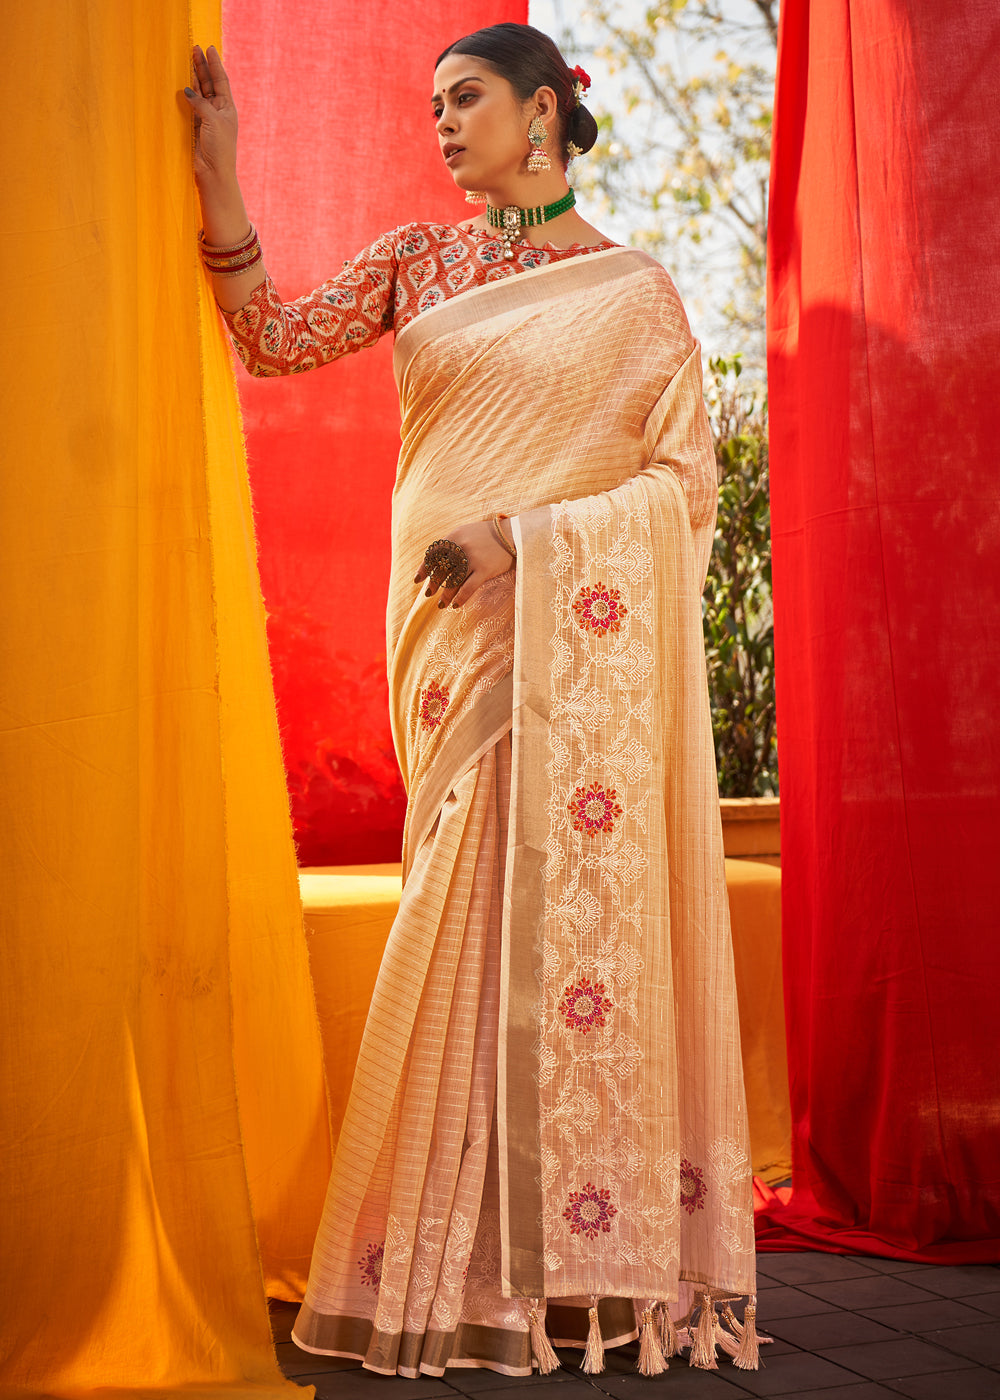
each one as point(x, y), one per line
point(582, 77)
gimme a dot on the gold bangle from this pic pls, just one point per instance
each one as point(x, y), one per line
point(217, 249)
point(498, 531)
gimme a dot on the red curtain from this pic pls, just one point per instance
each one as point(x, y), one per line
point(336, 146)
point(884, 340)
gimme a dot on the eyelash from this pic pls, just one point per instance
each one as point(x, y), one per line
point(438, 110)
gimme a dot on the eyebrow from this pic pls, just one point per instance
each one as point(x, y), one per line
point(472, 78)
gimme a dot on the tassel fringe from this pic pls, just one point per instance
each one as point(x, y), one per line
point(593, 1357)
point(748, 1356)
point(725, 1339)
point(735, 1325)
point(669, 1342)
point(703, 1345)
point(651, 1362)
point(542, 1348)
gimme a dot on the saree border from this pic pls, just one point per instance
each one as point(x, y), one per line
point(521, 1236)
point(513, 294)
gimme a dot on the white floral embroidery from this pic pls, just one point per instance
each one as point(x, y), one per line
point(731, 1176)
point(450, 1294)
point(484, 1306)
point(423, 1272)
point(592, 883)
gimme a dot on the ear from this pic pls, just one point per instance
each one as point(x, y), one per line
point(546, 105)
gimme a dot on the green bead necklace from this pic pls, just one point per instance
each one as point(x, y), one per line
point(511, 219)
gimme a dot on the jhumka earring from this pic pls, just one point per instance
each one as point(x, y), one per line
point(538, 135)
point(475, 197)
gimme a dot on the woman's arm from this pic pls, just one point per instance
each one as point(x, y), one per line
point(223, 213)
point(272, 337)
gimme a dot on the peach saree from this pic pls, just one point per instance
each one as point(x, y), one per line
point(548, 1125)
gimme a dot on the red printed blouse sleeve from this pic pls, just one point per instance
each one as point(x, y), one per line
point(347, 313)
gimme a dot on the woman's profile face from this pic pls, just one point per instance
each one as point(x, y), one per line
point(481, 126)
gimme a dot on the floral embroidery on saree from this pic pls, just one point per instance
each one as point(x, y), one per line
point(600, 609)
point(590, 1211)
point(371, 1265)
point(594, 809)
point(585, 1006)
point(693, 1189)
point(433, 704)
point(593, 873)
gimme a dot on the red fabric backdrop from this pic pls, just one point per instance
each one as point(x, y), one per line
point(884, 344)
point(336, 146)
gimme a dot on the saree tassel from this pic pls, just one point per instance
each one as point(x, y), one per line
point(541, 1348)
point(669, 1341)
point(747, 1357)
point(703, 1345)
point(725, 1339)
point(593, 1357)
point(735, 1325)
point(651, 1362)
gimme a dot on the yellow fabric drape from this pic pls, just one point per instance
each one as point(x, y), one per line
point(160, 1066)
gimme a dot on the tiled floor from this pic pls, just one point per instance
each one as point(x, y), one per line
point(845, 1328)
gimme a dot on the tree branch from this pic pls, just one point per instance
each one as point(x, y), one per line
point(766, 8)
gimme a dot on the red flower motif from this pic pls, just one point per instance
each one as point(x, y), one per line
point(594, 809)
point(582, 77)
point(693, 1188)
point(433, 703)
point(600, 609)
point(590, 1211)
point(585, 1006)
point(371, 1265)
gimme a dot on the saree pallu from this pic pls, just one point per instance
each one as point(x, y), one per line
point(549, 1104)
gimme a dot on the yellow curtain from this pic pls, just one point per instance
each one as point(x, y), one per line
point(159, 1057)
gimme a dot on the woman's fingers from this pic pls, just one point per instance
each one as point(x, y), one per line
point(448, 594)
point(210, 76)
point(202, 76)
point(486, 559)
point(217, 74)
point(463, 594)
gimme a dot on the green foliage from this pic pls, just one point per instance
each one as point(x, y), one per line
point(736, 603)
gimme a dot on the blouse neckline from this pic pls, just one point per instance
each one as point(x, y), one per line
point(548, 247)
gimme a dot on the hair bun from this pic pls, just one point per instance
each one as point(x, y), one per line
point(581, 128)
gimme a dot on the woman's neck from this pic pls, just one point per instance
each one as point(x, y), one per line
point(529, 191)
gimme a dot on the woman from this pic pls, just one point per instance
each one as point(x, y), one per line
point(546, 1138)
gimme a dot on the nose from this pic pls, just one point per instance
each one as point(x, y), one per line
point(444, 124)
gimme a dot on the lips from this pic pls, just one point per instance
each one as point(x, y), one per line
point(451, 150)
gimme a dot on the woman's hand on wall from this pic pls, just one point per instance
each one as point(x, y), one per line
point(215, 120)
point(487, 559)
point(223, 213)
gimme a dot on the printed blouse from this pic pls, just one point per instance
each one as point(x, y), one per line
point(401, 275)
